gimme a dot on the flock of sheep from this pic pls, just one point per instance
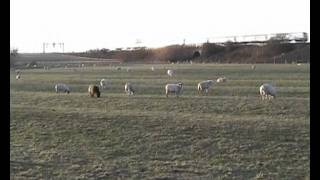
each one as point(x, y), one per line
point(267, 91)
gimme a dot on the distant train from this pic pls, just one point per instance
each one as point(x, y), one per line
point(261, 38)
point(298, 37)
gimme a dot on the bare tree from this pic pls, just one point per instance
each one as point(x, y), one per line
point(13, 55)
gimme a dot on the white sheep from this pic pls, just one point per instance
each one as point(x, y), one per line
point(152, 68)
point(104, 83)
point(170, 72)
point(205, 86)
point(18, 74)
point(267, 91)
point(221, 79)
point(128, 88)
point(62, 88)
point(174, 88)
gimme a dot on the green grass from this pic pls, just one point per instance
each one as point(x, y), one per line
point(228, 134)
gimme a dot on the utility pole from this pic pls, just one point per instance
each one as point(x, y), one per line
point(46, 45)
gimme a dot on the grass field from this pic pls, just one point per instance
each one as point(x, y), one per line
point(228, 134)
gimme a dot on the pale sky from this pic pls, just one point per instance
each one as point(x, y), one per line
point(90, 24)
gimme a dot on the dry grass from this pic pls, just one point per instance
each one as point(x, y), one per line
point(229, 134)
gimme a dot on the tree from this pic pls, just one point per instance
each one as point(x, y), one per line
point(13, 55)
point(13, 52)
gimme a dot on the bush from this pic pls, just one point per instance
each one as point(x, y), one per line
point(13, 57)
point(211, 49)
point(210, 52)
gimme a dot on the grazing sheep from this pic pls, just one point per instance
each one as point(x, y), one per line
point(170, 72)
point(267, 91)
point(253, 67)
point(62, 88)
point(221, 79)
point(104, 83)
point(17, 76)
point(94, 90)
point(128, 89)
point(174, 88)
point(205, 86)
point(152, 68)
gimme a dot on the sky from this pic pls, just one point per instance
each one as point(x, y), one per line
point(90, 24)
